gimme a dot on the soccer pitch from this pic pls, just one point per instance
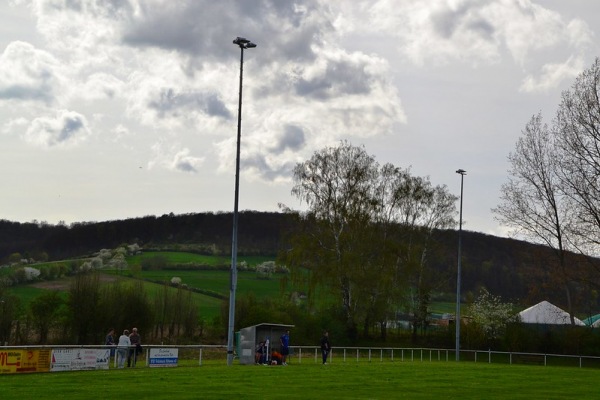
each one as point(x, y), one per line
point(349, 380)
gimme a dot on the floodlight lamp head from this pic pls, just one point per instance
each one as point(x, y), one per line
point(461, 171)
point(240, 41)
point(250, 45)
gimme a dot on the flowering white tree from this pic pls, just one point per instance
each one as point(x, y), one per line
point(176, 280)
point(133, 249)
point(31, 273)
point(491, 314)
point(118, 262)
point(105, 255)
point(265, 270)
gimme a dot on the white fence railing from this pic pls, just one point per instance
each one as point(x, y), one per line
point(197, 354)
point(379, 354)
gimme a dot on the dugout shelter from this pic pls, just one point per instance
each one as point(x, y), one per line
point(249, 337)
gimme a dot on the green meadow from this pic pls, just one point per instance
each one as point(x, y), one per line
point(182, 257)
point(213, 280)
point(377, 380)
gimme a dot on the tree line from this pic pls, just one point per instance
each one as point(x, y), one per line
point(209, 233)
point(90, 307)
point(513, 269)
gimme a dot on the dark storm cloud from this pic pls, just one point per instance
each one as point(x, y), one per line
point(68, 127)
point(71, 126)
point(448, 21)
point(259, 163)
point(27, 92)
point(168, 102)
point(207, 28)
point(482, 26)
point(185, 166)
point(292, 138)
point(339, 78)
point(114, 9)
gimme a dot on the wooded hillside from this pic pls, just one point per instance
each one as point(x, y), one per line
point(510, 268)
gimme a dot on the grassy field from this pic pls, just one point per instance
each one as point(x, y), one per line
point(176, 257)
point(212, 280)
point(393, 380)
point(218, 281)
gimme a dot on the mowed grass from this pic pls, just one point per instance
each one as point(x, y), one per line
point(218, 281)
point(181, 257)
point(387, 380)
point(213, 280)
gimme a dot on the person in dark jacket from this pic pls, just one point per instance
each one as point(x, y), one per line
point(136, 349)
point(284, 340)
point(325, 346)
point(110, 340)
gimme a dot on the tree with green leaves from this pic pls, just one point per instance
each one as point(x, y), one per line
point(353, 238)
point(83, 304)
point(45, 310)
point(10, 306)
point(336, 184)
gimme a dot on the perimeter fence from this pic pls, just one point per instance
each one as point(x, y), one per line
point(72, 357)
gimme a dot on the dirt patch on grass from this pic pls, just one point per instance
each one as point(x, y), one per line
point(64, 283)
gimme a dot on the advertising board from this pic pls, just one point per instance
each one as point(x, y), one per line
point(164, 357)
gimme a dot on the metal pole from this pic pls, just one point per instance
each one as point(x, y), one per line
point(233, 275)
point(457, 321)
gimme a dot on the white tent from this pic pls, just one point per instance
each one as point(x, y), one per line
point(547, 313)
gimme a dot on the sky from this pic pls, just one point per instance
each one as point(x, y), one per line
point(115, 109)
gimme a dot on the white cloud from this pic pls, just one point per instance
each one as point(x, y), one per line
point(14, 124)
point(553, 75)
point(27, 73)
point(182, 161)
point(471, 31)
point(65, 129)
point(175, 158)
point(100, 85)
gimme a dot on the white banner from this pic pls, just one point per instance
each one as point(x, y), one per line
point(164, 357)
point(79, 359)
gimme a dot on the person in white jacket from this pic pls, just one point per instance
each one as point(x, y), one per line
point(123, 348)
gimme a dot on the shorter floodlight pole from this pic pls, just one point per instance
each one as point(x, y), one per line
point(462, 173)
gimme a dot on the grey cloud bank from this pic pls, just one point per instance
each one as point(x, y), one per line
point(436, 85)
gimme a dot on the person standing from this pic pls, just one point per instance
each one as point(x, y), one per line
point(136, 343)
point(110, 340)
point(325, 346)
point(284, 340)
point(123, 348)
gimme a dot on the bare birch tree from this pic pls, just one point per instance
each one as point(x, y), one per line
point(532, 202)
point(578, 136)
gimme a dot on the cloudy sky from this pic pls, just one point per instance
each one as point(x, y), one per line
point(112, 109)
